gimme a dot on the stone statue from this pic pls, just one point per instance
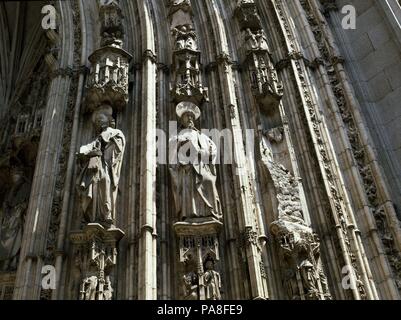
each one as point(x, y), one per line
point(261, 39)
point(185, 38)
point(309, 279)
point(275, 135)
point(107, 289)
point(256, 41)
point(190, 286)
point(192, 156)
point(89, 288)
point(12, 217)
point(99, 178)
point(250, 40)
point(212, 281)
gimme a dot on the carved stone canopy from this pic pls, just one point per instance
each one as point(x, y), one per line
point(188, 81)
point(248, 15)
point(112, 30)
point(108, 81)
point(96, 230)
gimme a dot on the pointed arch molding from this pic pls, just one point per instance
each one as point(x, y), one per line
point(61, 97)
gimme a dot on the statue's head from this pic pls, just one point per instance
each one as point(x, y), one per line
point(209, 264)
point(188, 113)
point(102, 118)
point(188, 120)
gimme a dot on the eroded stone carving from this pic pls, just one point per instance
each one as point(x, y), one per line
point(248, 15)
point(176, 5)
point(212, 281)
point(101, 166)
point(185, 38)
point(303, 275)
point(112, 30)
point(256, 41)
point(191, 286)
point(265, 84)
point(12, 217)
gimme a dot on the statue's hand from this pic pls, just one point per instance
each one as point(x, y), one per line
point(93, 164)
point(95, 153)
point(80, 156)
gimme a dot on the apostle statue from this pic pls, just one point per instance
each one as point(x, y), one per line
point(212, 281)
point(250, 40)
point(309, 279)
point(192, 157)
point(185, 38)
point(262, 40)
point(101, 166)
point(89, 288)
point(12, 217)
point(108, 289)
point(190, 286)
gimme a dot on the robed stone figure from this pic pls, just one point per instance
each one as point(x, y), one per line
point(101, 166)
point(192, 156)
point(12, 217)
point(212, 282)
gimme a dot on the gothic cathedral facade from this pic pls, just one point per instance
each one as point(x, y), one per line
point(200, 150)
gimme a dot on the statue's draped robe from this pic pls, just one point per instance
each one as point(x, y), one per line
point(12, 217)
point(98, 181)
point(212, 285)
point(194, 175)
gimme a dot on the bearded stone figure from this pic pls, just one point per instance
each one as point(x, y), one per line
point(192, 156)
point(101, 162)
point(12, 215)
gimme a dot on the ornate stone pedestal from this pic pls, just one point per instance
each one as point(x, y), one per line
point(199, 254)
point(95, 253)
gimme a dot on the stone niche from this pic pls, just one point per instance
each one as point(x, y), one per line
point(199, 258)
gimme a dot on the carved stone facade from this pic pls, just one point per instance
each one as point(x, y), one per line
point(111, 172)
